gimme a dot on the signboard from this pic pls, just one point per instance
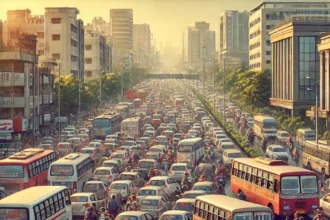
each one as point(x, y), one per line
point(172, 76)
point(47, 118)
point(6, 126)
point(11, 79)
point(25, 124)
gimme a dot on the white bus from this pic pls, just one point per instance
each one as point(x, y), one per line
point(72, 171)
point(190, 150)
point(265, 126)
point(131, 126)
point(39, 203)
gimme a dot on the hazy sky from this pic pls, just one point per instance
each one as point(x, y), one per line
point(167, 18)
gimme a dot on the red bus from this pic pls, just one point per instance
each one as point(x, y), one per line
point(26, 169)
point(284, 189)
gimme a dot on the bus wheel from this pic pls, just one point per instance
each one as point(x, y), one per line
point(323, 172)
point(309, 166)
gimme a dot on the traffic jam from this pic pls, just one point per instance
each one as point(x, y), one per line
point(160, 155)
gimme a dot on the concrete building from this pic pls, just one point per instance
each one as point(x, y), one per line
point(234, 36)
point(22, 22)
point(295, 57)
point(1, 33)
point(64, 36)
point(191, 48)
point(324, 91)
point(121, 30)
point(96, 51)
point(269, 14)
point(142, 44)
point(19, 93)
point(206, 42)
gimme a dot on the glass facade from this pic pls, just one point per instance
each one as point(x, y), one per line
point(308, 67)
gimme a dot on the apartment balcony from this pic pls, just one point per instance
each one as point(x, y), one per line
point(12, 102)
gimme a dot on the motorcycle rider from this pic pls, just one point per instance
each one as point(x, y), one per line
point(220, 190)
point(202, 179)
point(241, 195)
point(264, 143)
point(185, 180)
point(289, 142)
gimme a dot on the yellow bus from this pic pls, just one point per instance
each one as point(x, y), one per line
point(303, 135)
point(214, 207)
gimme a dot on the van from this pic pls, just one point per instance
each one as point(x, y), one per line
point(227, 145)
point(64, 148)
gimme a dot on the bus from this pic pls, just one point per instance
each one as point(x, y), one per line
point(39, 203)
point(265, 126)
point(61, 122)
point(303, 135)
point(224, 207)
point(72, 171)
point(26, 169)
point(132, 126)
point(190, 150)
point(316, 157)
point(123, 111)
point(130, 106)
point(273, 183)
point(106, 124)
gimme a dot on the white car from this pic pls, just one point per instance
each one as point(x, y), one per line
point(136, 215)
point(282, 136)
point(150, 191)
point(106, 174)
point(229, 155)
point(176, 214)
point(325, 204)
point(178, 170)
point(79, 201)
point(277, 152)
point(168, 183)
point(223, 140)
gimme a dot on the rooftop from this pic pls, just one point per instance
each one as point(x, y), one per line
point(287, 1)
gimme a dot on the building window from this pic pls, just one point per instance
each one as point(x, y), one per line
point(268, 52)
point(56, 20)
point(74, 29)
point(268, 42)
point(74, 58)
point(41, 52)
point(88, 60)
point(40, 35)
point(56, 37)
point(88, 73)
point(268, 62)
point(308, 67)
point(74, 43)
point(88, 47)
point(56, 56)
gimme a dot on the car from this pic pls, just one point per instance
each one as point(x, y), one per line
point(142, 144)
point(112, 163)
point(106, 174)
point(136, 215)
point(158, 148)
point(146, 164)
point(152, 155)
point(226, 145)
point(184, 205)
point(135, 177)
point(176, 214)
point(223, 140)
point(325, 204)
point(98, 187)
point(178, 170)
point(122, 187)
point(275, 151)
point(192, 194)
point(156, 205)
point(282, 136)
point(150, 191)
point(94, 152)
point(95, 144)
point(208, 187)
point(79, 201)
point(229, 155)
point(168, 183)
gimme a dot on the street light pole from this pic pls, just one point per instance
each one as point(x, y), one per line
point(214, 87)
point(79, 95)
point(224, 89)
point(100, 91)
point(317, 108)
point(59, 102)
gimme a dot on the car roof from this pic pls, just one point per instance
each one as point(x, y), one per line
point(153, 197)
point(176, 212)
point(160, 178)
point(275, 146)
point(130, 173)
point(232, 151)
point(133, 213)
point(88, 148)
point(205, 183)
point(122, 181)
point(104, 168)
point(152, 187)
point(82, 194)
point(194, 191)
point(179, 164)
point(188, 200)
point(94, 182)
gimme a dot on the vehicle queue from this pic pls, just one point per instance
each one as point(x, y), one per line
point(168, 159)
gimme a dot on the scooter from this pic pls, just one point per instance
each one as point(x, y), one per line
point(220, 180)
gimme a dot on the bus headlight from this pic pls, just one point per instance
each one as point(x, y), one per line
point(315, 206)
point(286, 207)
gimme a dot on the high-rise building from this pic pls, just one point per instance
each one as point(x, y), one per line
point(234, 36)
point(1, 33)
point(121, 30)
point(191, 48)
point(269, 14)
point(141, 44)
point(95, 54)
point(64, 37)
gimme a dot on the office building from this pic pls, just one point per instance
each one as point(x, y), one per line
point(64, 36)
point(191, 48)
point(295, 57)
point(96, 57)
point(1, 33)
point(141, 44)
point(234, 36)
point(121, 30)
point(268, 15)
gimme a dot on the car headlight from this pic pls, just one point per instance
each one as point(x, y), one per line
point(315, 206)
point(286, 207)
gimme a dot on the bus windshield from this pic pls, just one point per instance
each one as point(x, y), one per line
point(101, 123)
point(11, 171)
point(292, 185)
point(61, 170)
point(14, 213)
point(185, 148)
point(269, 124)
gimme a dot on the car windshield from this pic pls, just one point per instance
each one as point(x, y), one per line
point(284, 135)
point(129, 143)
point(150, 202)
point(157, 183)
point(171, 217)
point(126, 217)
point(117, 156)
point(185, 148)
point(183, 206)
point(191, 195)
point(126, 177)
point(235, 155)
point(109, 164)
point(102, 172)
point(205, 188)
point(178, 168)
point(79, 198)
point(156, 150)
point(11, 171)
point(90, 187)
point(119, 186)
point(278, 149)
point(147, 192)
point(146, 164)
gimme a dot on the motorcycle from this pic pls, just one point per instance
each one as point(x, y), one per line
point(220, 180)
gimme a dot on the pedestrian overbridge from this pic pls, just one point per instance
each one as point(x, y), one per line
point(172, 76)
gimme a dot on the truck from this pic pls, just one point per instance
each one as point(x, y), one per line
point(178, 102)
point(132, 126)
